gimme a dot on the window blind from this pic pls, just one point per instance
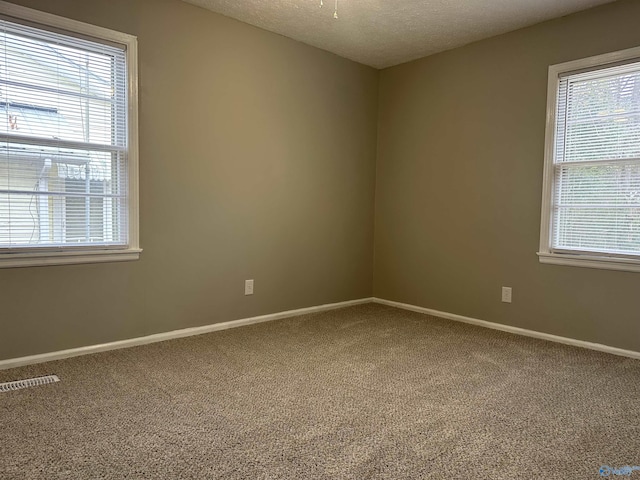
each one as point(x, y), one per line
point(596, 203)
point(63, 140)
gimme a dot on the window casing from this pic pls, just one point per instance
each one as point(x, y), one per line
point(591, 190)
point(68, 141)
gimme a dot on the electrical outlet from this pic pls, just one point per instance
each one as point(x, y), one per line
point(506, 294)
point(248, 287)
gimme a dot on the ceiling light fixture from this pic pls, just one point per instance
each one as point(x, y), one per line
point(335, 11)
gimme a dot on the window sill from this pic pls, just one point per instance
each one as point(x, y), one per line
point(590, 261)
point(43, 259)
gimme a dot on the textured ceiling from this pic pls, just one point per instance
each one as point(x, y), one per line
point(383, 33)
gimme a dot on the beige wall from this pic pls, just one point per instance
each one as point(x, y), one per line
point(459, 179)
point(257, 160)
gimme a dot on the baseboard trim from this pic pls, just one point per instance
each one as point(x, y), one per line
point(515, 330)
point(188, 332)
point(161, 337)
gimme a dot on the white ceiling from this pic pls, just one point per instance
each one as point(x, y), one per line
point(383, 33)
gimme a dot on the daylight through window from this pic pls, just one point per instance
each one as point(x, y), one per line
point(593, 207)
point(64, 151)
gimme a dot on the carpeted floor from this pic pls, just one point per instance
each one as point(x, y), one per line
point(358, 393)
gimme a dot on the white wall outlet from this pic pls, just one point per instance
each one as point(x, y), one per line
point(248, 287)
point(506, 294)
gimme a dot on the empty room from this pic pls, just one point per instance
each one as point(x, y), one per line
point(319, 239)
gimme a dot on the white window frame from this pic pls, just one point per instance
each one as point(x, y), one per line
point(69, 255)
point(546, 255)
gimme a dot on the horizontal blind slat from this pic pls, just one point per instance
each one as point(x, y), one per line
point(63, 140)
point(596, 201)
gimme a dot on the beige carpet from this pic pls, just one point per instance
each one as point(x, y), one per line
point(359, 393)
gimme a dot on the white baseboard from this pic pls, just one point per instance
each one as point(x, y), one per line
point(161, 337)
point(506, 328)
point(188, 332)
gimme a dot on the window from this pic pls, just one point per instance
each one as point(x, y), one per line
point(591, 198)
point(68, 141)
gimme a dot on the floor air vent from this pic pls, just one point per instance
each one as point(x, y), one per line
point(29, 382)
